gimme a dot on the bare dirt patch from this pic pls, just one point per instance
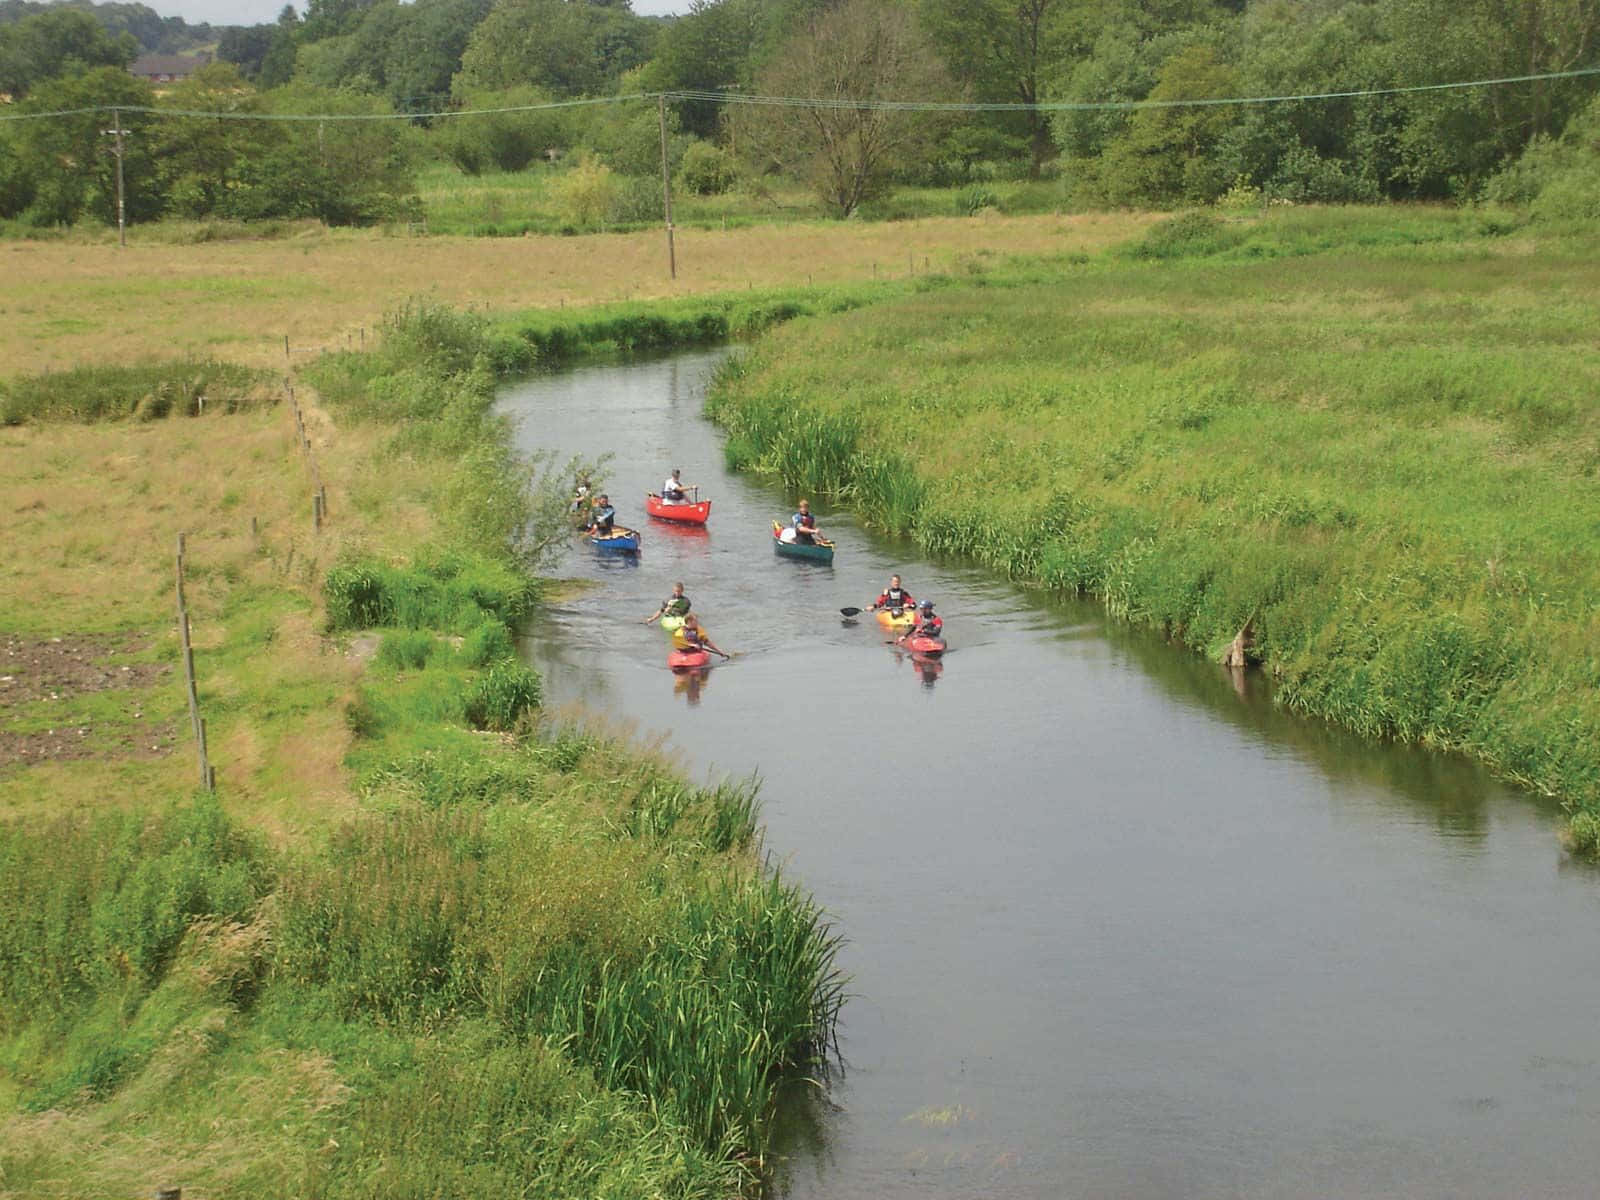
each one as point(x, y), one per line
point(40, 670)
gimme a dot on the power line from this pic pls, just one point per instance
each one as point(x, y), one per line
point(1104, 105)
point(824, 103)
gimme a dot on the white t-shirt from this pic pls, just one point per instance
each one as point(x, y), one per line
point(667, 490)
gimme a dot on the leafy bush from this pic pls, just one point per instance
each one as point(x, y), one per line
point(707, 170)
point(1188, 235)
point(586, 196)
point(501, 696)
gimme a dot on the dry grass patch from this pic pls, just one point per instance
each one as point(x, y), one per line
point(79, 303)
point(93, 517)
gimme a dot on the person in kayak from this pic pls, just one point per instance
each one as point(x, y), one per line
point(673, 491)
point(602, 518)
point(927, 624)
point(894, 597)
point(805, 526)
point(693, 637)
point(675, 605)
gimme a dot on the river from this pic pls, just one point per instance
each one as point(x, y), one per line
point(1115, 925)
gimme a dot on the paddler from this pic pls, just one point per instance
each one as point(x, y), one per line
point(927, 624)
point(894, 597)
point(693, 637)
point(673, 491)
point(675, 605)
point(602, 517)
point(805, 525)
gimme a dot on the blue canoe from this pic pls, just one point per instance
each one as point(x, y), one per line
point(618, 539)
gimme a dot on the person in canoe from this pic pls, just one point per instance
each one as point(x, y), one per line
point(675, 605)
point(927, 624)
point(580, 494)
point(693, 637)
point(674, 490)
point(894, 597)
point(602, 517)
point(805, 526)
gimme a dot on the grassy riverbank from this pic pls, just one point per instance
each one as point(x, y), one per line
point(419, 943)
point(1371, 440)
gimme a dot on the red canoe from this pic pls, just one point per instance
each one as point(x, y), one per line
point(919, 644)
point(687, 660)
point(688, 514)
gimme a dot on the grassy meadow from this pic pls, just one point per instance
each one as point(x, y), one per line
point(1371, 440)
point(80, 302)
point(422, 941)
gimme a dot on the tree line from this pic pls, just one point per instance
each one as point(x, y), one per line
point(429, 56)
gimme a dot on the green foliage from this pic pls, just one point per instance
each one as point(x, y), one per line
point(99, 905)
point(502, 695)
point(707, 170)
point(450, 592)
point(406, 649)
point(57, 43)
point(566, 49)
point(1191, 234)
point(586, 196)
point(488, 643)
point(188, 388)
point(502, 141)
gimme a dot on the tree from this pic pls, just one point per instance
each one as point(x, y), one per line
point(1167, 153)
point(568, 47)
point(246, 47)
point(863, 50)
point(66, 161)
point(999, 49)
point(1451, 140)
point(57, 42)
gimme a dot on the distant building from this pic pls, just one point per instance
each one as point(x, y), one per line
point(167, 68)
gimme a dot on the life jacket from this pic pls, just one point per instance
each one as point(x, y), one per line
point(928, 625)
point(895, 598)
point(676, 606)
point(604, 518)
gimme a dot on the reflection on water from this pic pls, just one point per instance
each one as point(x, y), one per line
point(1116, 923)
point(690, 683)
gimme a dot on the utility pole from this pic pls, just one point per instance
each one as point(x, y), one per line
point(122, 208)
point(666, 186)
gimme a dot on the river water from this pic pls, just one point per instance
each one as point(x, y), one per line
point(1115, 925)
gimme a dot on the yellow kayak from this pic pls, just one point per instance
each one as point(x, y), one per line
point(901, 618)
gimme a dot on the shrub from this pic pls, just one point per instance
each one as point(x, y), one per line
point(1188, 235)
point(586, 195)
point(707, 170)
point(502, 695)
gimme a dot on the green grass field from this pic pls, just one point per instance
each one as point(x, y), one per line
point(1371, 438)
point(420, 942)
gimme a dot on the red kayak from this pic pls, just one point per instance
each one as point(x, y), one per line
point(688, 660)
point(688, 514)
point(919, 643)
